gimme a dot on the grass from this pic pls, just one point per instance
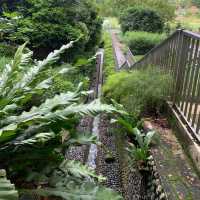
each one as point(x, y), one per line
point(109, 61)
point(138, 57)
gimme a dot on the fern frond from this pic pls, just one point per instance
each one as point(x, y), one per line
point(38, 114)
point(39, 138)
point(77, 169)
point(50, 112)
point(11, 70)
point(82, 139)
point(21, 59)
point(92, 109)
point(4, 77)
point(33, 71)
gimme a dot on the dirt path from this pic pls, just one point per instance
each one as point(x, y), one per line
point(176, 171)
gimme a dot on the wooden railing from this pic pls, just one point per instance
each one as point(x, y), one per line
point(179, 55)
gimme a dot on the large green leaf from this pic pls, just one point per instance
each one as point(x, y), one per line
point(128, 127)
point(11, 71)
point(83, 139)
point(86, 191)
point(79, 170)
point(39, 138)
point(29, 76)
point(45, 113)
point(148, 138)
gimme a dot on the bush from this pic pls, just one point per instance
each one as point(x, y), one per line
point(141, 19)
point(139, 91)
point(141, 42)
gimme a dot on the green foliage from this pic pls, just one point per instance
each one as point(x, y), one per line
point(7, 190)
point(7, 50)
point(109, 62)
point(141, 19)
point(142, 42)
point(3, 61)
point(72, 191)
point(140, 152)
point(69, 181)
point(49, 24)
point(196, 2)
point(139, 91)
point(33, 138)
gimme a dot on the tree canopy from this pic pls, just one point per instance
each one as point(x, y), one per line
point(49, 24)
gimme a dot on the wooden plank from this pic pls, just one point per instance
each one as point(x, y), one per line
point(167, 61)
point(170, 57)
point(196, 93)
point(177, 64)
point(192, 83)
point(181, 72)
point(187, 74)
point(177, 32)
point(179, 55)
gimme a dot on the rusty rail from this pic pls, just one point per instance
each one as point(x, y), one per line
point(179, 55)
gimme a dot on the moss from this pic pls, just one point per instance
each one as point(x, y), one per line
point(176, 180)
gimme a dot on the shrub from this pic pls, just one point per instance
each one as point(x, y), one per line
point(141, 42)
point(141, 19)
point(139, 91)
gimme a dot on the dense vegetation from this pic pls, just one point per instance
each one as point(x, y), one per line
point(49, 24)
point(142, 42)
point(141, 19)
point(42, 102)
point(139, 91)
point(44, 92)
point(34, 134)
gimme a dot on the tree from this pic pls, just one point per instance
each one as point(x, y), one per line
point(196, 2)
point(49, 24)
point(141, 19)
